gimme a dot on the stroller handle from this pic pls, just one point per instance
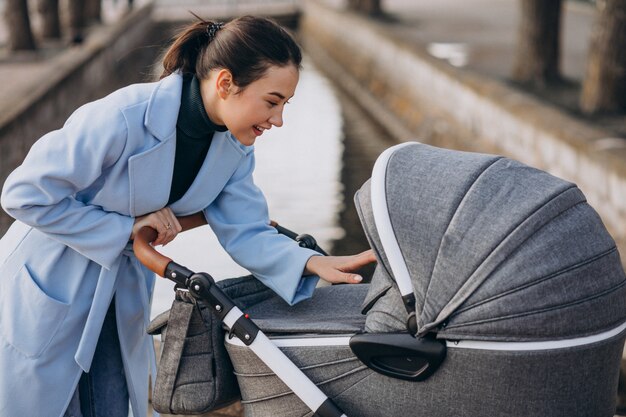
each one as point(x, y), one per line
point(158, 263)
point(202, 286)
point(149, 256)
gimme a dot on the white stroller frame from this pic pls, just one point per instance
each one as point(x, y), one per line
point(369, 354)
point(384, 361)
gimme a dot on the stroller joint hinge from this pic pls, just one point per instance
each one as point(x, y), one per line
point(245, 329)
point(202, 286)
point(177, 273)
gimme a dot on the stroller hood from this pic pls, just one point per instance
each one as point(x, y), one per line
point(494, 249)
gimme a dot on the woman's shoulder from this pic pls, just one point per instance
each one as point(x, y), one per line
point(161, 94)
point(168, 88)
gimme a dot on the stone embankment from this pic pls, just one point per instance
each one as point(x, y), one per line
point(410, 93)
point(415, 96)
point(43, 88)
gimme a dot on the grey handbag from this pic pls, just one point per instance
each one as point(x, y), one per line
point(195, 374)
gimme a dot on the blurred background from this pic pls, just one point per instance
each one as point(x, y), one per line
point(540, 81)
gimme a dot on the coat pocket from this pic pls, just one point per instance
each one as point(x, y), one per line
point(29, 318)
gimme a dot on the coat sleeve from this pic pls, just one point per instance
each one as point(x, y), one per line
point(42, 191)
point(239, 218)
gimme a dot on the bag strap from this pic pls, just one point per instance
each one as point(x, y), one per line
point(178, 324)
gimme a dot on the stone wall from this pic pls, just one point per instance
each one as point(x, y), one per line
point(418, 97)
point(112, 56)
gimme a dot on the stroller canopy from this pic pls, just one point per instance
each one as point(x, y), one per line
point(495, 250)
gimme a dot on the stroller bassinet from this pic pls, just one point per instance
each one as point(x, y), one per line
point(505, 265)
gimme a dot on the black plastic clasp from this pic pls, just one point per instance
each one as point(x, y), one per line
point(399, 355)
point(245, 330)
point(202, 287)
point(178, 273)
point(411, 322)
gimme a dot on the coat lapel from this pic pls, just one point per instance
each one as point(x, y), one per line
point(224, 156)
point(150, 172)
point(150, 177)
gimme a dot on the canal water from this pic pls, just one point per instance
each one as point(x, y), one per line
point(308, 170)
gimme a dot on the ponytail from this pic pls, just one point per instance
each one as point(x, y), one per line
point(246, 46)
point(183, 54)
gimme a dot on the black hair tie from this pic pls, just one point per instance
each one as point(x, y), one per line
point(212, 29)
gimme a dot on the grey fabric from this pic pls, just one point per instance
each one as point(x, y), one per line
point(331, 310)
point(333, 369)
point(180, 314)
point(194, 374)
point(496, 250)
point(575, 382)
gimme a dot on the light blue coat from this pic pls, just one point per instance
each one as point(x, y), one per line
point(75, 198)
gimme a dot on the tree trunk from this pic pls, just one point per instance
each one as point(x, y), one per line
point(76, 20)
point(604, 87)
point(49, 11)
point(18, 25)
point(538, 49)
point(93, 10)
point(370, 7)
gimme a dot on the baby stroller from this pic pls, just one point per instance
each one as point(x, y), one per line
point(498, 292)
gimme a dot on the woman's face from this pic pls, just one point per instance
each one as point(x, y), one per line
point(249, 112)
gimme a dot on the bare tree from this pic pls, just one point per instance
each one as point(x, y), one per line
point(538, 43)
point(604, 87)
point(18, 25)
point(370, 7)
point(49, 11)
point(93, 10)
point(76, 20)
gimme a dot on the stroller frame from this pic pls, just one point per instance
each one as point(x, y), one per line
point(370, 352)
point(202, 287)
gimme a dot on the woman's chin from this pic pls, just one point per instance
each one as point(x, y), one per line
point(246, 141)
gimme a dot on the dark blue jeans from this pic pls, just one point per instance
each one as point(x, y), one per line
point(102, 391)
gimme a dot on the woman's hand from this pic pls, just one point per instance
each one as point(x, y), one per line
point(163, 221)
point(337, 269)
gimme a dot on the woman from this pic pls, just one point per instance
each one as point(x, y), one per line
point(74, 301)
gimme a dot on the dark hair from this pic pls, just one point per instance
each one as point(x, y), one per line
point(246, 46)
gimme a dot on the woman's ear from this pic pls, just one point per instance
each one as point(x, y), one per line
point(224, 83)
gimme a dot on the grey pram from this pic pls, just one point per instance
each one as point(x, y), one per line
point(503, 266)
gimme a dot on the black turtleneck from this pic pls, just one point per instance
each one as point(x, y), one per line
point(194, 132)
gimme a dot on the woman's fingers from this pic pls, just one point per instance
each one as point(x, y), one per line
point(176, 227)
point(360, 260)
point(163, 221)
point(159, 222)
point(351, 278)
point(170, 226)
point(339, 277)
point(339, 269)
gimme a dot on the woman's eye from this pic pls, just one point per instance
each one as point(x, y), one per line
point(272, 104)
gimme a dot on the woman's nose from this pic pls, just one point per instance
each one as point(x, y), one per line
point(277, 119)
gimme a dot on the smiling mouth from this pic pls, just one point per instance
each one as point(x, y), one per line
point(258, 130)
